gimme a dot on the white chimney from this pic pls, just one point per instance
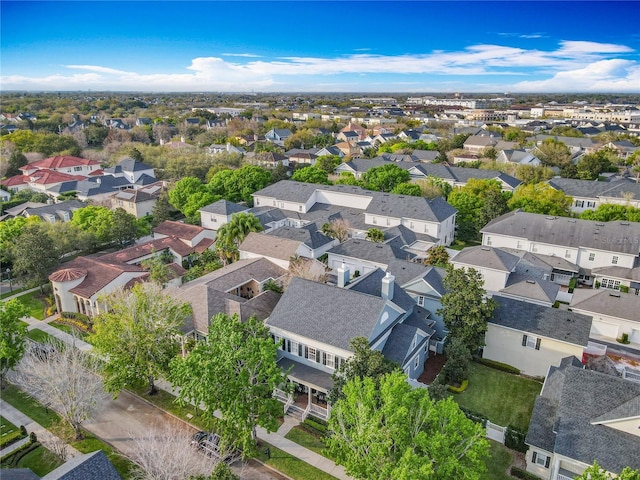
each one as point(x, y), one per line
point(343, 275)
point(162, 141)
point(182, 139)
point(387, 286)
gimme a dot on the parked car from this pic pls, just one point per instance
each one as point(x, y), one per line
point(209, 444)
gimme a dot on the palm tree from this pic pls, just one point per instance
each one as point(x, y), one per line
point(236, 230)
point(375, 235)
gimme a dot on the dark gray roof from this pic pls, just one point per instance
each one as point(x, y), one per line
point(308, 234)
point(541, 425)
point(371, 284)
point(532, 288)
point(587, 188)
point(57, 209)
point(327, 314)
point(398, 346)
point(89, 466)
point(305, 373)
point(224, 207)
point(463, 175)
point(18, 474)
point(267, 215)
point(406, 271)
point(132, 165)
point(616, 236)
point(587, 396)
point(381, 253)
point(487, 257)
point(581, 142)
point(542, 321)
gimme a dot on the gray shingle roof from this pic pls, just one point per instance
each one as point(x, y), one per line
point(371, 284)
point(609, 302)
point(85, 467)
point(487, 257)
point(327, 314)
point(132, 165)
point(542, 321)
point(616, 236)
point(270, 246)
point(57, 209)
point(305, 373)
point(586, 188)
point(224, 207)
point(534, 289)
point(308, 234)
point(381, 253)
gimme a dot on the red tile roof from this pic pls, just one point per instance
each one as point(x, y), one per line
point(67, 275)
point(63, 161)
point(47, 177)
point(178, 229)
point(15, 180)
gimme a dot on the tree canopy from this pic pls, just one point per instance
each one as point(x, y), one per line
point(138, 335)
point(608, 212)
point(465, 310)
point(311, 175)
point(385, 177)
point(13, 334)
point(235, 372)
point(437, 256)
point(391, 431)
point(596, 472)
point(34, 255)
point(540, 198)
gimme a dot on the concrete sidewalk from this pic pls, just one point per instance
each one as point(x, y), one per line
point(44, 436)
point(277, 439)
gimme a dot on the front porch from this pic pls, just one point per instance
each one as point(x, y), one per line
point(309, 388)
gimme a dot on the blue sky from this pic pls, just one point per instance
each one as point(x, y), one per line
point(321, 46)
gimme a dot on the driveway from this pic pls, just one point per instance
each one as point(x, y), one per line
point(121, 420)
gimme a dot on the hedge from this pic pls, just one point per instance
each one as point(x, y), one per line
point(514, 439)
point(79, 320)
point(520, 473)
point(14, 457)
point(318, 426)
point(463, 386)
point(498, 365)
point(475, 416)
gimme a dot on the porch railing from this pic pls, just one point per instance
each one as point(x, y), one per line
point(563, 477)
point(305, 414)
point(319, 411)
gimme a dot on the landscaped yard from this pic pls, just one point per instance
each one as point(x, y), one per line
point(40, 460)
point(9, 432)
point(498, 463)
point(302, 437)
point(51, 421)
point(38, 335)
point(504, 398)
point(34, 304)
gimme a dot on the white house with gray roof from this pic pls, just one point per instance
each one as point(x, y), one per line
point(314, 324)
point(435, 217)
point(589, 195)
point(582, 416)
point(216, 214)
point(534, 337)
point(585, 243)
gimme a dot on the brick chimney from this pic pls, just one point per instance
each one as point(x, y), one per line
point(388, 282)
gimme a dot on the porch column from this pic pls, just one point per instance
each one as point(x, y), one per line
point(309, 400)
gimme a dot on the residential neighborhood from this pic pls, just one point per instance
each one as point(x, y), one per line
point(456, 243)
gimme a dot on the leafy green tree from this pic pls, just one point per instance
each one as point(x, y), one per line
point(392, 431)
point(137, 334)
point(96, 220)
point(596, 472)
point(365, 362)
point(465, 310)
point(553, 153)
point(590, 166)
point(410, 189)
point(375, 235)
point(458, 360)
point(34, 255)
point(328, 163)
point(437, 256)
point(385, 177)
point(162, 209)
point(347, 178)
point(311, 175)
point(16, 160)
point(279, 173)
point(244, 182)
point(237, 229)
point(541, 198)
point(10, 230)
point(233, 371)
point(125, 227)
point(183, 189)
point(608, 212)
point(13, 334)
point(432, 187)
point(159, 271)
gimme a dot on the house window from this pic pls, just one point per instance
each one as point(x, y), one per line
point(530, 342)
point(295, 348)
point(77, 169)
point(580, 203)
point(300, 208)
point(614, 260)
point(534, 248)
point(411, 225)
point(388, 222)
point(488, 240)
point(592, 257)
point(421, 300)
point(519, 244)
point(328, 359)
point(274, 203)
point(541, 459)
point(567, 254)
point(611, 283)
point(416, 362)
point(311, 354)
point(257, 201)
point(591, 204)
point(375, 220)
point(281, 205)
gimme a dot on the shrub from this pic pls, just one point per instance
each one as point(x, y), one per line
point(556, 304)
point(624, 339)
point(597, 284)
point(514, 439)
point(463, 386)
point(32, 437)
point(624, 289)
point(316, 426)
point(520, 473)
point(498, 365)
point(475, 416)
point(572, 284)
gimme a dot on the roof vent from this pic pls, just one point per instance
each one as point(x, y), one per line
point(486, 249)
point(599, 224)
point(614, 294)
point(533, 282)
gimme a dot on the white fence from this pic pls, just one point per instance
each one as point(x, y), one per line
point(495, 432)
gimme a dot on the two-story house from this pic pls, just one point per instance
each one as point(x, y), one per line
point(314, 324)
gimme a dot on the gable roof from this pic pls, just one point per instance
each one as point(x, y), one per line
point(224, 207)
point(534, 289)
point(615, 236)
point(60, 161)
point(324, 313)
point(567, 414)
point(132, 165)
point(608, 302)
point(57, 209)
point(270, 246)
point(178, 229)
point(588, 188)
point(542, 321)
point(84, 467)
point(371, 284)
point(308, 234)
point(487, 257)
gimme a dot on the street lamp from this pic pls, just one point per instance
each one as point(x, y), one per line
point(9, 275)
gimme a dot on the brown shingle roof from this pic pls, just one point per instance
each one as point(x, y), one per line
point(178, 229)
point(270, 246)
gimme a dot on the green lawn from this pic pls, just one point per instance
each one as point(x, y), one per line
point(498, 463)
point(38, 335)
point(41, 461)
point(52, 422)
point(504, 398)
point(290, 465)
point(308, 440)
point(70, 329)
point(35, 306)
point(12, 292)
point(8, 431)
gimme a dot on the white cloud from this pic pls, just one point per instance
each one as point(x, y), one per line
point(577, 65)
point(615, 76)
